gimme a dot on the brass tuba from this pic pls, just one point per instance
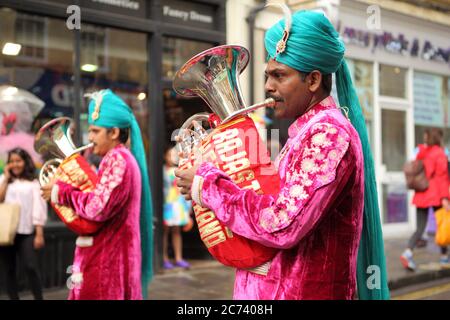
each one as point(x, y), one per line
point(214, 76)
point(54, 141)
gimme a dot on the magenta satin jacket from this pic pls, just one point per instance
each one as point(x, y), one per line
point(316, 218)
point(109, 268)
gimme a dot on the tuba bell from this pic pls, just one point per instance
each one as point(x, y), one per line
point(213, 75)
point(233, 145)
point(54, 141)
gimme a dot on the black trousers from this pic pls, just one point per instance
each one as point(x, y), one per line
point(24, 249)
point(422, 219)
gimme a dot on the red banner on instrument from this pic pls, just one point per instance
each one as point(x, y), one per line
point(76, 171)
point(237, 149)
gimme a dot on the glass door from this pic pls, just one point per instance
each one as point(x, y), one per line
point(394, 193)
point(396, 136)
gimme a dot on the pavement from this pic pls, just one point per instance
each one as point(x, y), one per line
point(427, 261)
point(209, 280)
point(205, 280)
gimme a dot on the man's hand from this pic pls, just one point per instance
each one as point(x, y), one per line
point(184, 181)
point(46, 191)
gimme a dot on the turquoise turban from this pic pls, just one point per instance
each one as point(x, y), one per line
point(314, 44)
point(113, 112)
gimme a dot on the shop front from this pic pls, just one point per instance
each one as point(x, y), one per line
point(132, 47)
point(401, 73)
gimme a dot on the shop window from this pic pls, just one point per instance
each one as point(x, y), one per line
point(395, 203)
point(178, 109)
point(31, 35)
point(430, 100)
point(93, 49)
point(43, 66)
point(177, 52)
point(118, 62)
point(393, 139)
point(122, 68)
point(50, 79)
point(393, 81)
point(431, 106)
point(362, 77)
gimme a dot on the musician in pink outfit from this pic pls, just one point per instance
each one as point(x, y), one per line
point(112, 264)
point(315, 220)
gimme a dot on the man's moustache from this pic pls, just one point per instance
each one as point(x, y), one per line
point(277, 99)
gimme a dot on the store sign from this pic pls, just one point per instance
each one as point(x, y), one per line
point(396, 44)
point(428, 100)
point(188, 13)
point(126, 4)
point(135, 8)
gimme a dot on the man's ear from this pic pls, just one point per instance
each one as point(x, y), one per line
point(315, 80)
point(114, 133)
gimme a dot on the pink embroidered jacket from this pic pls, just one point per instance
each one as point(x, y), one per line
point(316, 218)
point(110, 268)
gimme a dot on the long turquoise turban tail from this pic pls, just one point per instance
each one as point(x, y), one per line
point(314, 44)
point(372, 274)
point(114, 113)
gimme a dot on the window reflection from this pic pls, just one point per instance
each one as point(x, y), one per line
point(178, 51)
point(431, 105)
point(106, 63)
point(178, 109)
point(395, 203)
point(31, 32)
point(43, 66)
point(393, 139)
point(362, 77)
point(393, 81)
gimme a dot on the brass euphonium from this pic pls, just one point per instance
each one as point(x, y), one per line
point(53, 141)
point(213, 75)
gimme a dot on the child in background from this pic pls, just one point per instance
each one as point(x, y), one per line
point(176, 213)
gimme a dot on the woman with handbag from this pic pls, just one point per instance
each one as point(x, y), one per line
point(19, 185)
point(436, 195)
